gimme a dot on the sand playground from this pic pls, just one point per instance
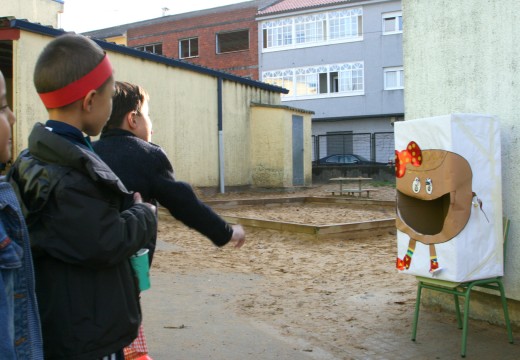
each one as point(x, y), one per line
point(329, 298)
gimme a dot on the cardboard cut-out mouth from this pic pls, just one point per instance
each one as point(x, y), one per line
point(425, 217)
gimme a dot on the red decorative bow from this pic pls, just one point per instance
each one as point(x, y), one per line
point(412, 154)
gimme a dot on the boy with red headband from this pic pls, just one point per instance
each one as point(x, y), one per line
point(83, 223)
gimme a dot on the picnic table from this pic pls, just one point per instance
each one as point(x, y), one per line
point(351, 191)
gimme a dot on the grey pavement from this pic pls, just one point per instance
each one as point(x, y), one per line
point(190, 317)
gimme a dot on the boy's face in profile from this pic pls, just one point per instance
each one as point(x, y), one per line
point(144, 124)
point(102, 108)
point(7, 119)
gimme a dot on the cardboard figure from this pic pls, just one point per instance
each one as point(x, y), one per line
point(443, 228)
point(434, 196)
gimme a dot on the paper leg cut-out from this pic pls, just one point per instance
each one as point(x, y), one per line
point(404, 264)
point(434, 264)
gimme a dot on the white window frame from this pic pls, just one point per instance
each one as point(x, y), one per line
point(345, 79)
point(189, 48)
point(325, 28)
point(398, 22)
point(398, 71)
point(345, 24)
point(153, 47)
point(283, 78)
point(278, 33)
point(306, 81)
point(309, 29)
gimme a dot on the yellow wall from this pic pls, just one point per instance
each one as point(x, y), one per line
point(120, 40)
point(183, 108)
point(185, 116)
point(271, 146)
point(26, 104)
point(44, 12)
point(237, 99)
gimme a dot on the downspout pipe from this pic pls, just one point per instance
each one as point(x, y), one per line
point(220, 136)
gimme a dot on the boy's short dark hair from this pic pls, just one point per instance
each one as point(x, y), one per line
point(127, 97)
point(64, 60)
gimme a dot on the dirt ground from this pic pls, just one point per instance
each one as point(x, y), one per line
point(323, 288)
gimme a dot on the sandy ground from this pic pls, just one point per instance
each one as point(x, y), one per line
point(312, 289)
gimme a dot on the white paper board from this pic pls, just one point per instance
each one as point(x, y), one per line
point(476, 251)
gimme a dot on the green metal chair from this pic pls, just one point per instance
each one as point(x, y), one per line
point(464, 289)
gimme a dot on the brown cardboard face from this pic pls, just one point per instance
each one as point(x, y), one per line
point(434, 199)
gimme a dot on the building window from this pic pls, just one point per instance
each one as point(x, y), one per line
point(394, 78)
point(392, 23)
point(309, 29)
point(316, 29)
point(277, 33)
point(189, 48)
point(320, 81)
point(345, 24)
point(152, 48)
point(306, 81)
point(281, 78)
point(323, 75)
point(232, 41)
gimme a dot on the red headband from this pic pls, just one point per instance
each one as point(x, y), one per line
point(79, 88)
point(412, 154)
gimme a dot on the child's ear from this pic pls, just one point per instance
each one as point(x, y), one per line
point(130, 120)
point(87, 100)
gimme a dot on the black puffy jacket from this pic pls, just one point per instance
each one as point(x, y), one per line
point(81, 239)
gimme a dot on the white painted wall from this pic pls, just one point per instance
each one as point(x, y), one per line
point(464, 56)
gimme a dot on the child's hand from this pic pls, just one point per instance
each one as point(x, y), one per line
point(139, 200)
point(239, 236)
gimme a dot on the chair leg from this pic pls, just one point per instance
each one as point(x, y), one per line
point(417, 306)
point(457, 310)
point(465, 325)
point(506, 312)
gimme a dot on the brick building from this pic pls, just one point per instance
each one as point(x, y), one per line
point(223, 38)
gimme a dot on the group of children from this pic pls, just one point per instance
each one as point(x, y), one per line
point(83, 209)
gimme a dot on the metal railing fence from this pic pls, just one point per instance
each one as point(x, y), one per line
point(378, 146)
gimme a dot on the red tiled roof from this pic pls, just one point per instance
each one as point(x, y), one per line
point(287, 5)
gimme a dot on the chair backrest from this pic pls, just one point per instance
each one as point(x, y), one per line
point(506, 223)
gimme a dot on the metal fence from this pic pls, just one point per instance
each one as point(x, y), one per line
point(373, 146)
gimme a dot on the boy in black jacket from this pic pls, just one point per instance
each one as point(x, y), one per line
point(144, 167)
point(82, 228)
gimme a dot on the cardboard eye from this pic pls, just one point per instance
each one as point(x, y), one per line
point(416, 185)
point(429, 186)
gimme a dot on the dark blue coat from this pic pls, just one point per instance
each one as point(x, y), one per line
point(144, 167)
